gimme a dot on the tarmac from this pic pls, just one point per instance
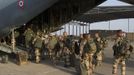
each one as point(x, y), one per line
point(47, 68)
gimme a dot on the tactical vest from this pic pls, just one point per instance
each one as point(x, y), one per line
point(52, 43)
point(28, 35)
point(89, 47)
point(38, 42)
point(121, 48)
point(68, 42)
point(100, 44)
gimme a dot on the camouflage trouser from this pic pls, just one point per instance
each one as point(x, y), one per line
point(91, 66)
point(27, 43)
point(77, 64)
point(67, 60)
point(37, 55)
point(57, 56)
point(66, 57)
point(120, 61)
point(99, 58)
point(50, 53)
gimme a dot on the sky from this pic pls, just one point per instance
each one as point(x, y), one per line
point(114, 24)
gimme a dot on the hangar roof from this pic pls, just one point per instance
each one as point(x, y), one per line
point(128, 1)
point(107, 13)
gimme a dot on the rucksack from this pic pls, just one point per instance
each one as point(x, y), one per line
point(52, 43)
point(77, 48)
point(89, 47)
point(121, 48)
point(104, 42)
point(68, 43)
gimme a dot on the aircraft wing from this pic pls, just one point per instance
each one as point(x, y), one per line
point(107, 13)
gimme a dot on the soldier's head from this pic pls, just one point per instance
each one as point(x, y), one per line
point(124, 34)
point(60, 38)
point(65, 34)
point(46, 36)
point(85, 56)
point(81, 35)
point(97, 35)
point(50, 35)
point(86, 36)
point(119, 33)
point(28, 28)
point(89, 36)
point(38, 33)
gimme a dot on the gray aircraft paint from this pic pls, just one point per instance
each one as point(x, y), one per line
point(12, 15)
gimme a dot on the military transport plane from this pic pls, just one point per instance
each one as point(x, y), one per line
point(15, 13)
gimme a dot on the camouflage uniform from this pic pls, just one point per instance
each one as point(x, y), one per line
point(59, 49)
point(66, 55)
point(44, 52)
point(29, 34)
point(77, 57)
point(51, 45)
point(37, 45)
point(67, 50)
point(99, 53)
point(121, 48)
point(84, 67)
point(89, 47)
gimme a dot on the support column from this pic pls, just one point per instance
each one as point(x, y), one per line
point(73, 31)
point(13, 41)
point(109, 25)
point(128, 24)
point(69, 29)
point(86, 28)
point(89, 27)
point(65, 28)
point(83, 29)
point(76, 31)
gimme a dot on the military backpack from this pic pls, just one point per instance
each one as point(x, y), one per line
point(89, 47)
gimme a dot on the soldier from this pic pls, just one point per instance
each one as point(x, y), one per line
point(37, 45)
point(58, 49)
point(51, 45)
point(85, 70)
point(29, 34)
point(44, 47)
point(121, 49)
point(81, 38)
point(66, 55)
point(88, 46)
point(100, 45)
point(77, 59)
point(67, 49)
